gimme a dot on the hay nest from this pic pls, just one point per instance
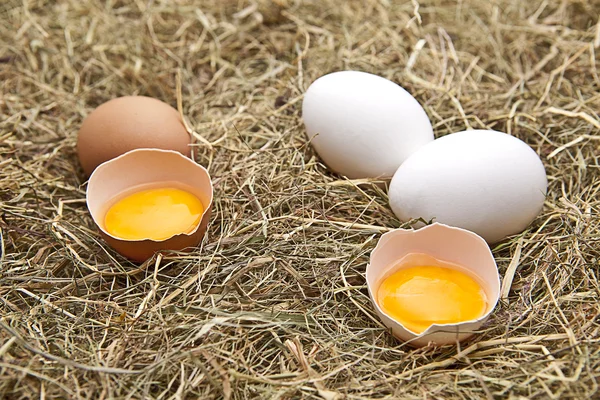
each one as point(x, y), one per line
point(273, 304)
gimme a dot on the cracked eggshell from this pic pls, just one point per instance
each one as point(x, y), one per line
point(142, 168)
point(485, 181)
point(445, 246)
point(363, 125)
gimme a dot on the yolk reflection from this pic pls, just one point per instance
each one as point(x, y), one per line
point(155, 214)
point(420, 296)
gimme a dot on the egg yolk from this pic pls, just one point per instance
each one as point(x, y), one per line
point(155, 214)
point(420, 296)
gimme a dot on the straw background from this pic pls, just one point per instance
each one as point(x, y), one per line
point(273, 304)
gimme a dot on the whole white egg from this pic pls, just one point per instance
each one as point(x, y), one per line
point(363, 125)
point(484, 181)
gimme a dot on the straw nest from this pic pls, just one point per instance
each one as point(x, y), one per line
point(273, 304)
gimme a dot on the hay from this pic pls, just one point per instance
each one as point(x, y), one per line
point(273, 304)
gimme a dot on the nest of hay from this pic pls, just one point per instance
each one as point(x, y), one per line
point(273, 304)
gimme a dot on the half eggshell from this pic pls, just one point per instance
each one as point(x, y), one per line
point(444, 246)
point(142, 168)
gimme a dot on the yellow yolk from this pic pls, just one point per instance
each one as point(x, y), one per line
point(155, 214)
point(418, 297)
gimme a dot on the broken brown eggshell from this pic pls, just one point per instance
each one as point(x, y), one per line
point(144, 167)
point(442, 245)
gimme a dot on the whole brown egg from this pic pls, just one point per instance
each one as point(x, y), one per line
point(128, 123)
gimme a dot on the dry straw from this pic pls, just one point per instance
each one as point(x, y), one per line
point(273, 304)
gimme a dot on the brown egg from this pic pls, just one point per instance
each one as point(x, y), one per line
point(129, 123)
point(144, 168)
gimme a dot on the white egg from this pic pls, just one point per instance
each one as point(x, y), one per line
point(488, 182)
point(363, 125)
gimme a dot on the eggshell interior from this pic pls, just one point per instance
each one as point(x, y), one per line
point(144, 167)
point(450, 245)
